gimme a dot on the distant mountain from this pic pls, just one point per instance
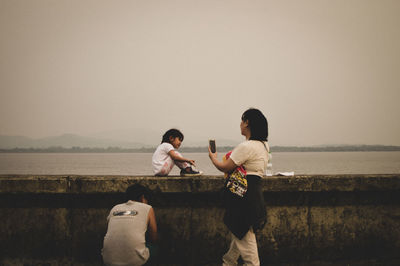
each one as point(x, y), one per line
point(335, 148)
point(151, 138)
point(66, 141)
point(144, 136)
point(122, 140)
point(10, 142)
point(204, 143)
point(125, 139)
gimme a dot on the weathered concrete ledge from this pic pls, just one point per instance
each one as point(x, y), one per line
point(331, 219)
point(112, 184)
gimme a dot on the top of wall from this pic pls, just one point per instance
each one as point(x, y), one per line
point(114, 184)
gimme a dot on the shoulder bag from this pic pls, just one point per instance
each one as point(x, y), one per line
point(236, 181)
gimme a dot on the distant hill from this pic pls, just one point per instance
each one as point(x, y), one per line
point(76, 143)
point(66, 141)
point(131, 135)
point(124, 139)
point(10, 142)
point(153, 138)
point(222, 149)
point(204, 143)
point(335, 148)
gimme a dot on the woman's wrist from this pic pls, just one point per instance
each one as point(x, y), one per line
point(214, 161)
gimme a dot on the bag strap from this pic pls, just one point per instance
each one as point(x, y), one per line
point(265, 146)
point(266, 150)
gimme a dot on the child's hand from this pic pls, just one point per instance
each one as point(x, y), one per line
point(191, 162)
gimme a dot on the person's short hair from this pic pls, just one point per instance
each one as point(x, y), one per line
point(174, 133)
point(258, 124)
point(136, 191)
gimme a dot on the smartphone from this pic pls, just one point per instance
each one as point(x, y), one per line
point(212, 145)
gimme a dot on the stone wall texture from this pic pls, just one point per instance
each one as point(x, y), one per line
point(312, 220)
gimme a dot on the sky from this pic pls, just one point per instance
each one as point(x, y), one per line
point(322, 72)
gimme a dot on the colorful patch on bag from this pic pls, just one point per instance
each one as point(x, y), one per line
point(236, 181)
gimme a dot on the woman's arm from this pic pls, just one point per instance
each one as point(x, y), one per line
point(152, 226)
point(177, 157)
point(224, 166)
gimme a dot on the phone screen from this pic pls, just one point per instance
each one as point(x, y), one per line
point(212, 145)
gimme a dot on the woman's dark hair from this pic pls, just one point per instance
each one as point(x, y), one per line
point(135, 192)
point(258, 124)
point(175, 133)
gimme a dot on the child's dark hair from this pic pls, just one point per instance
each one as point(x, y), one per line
point(174, 133)
point(136, 191)
point(258, 124)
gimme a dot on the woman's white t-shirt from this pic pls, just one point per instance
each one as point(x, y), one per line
point(253, 155)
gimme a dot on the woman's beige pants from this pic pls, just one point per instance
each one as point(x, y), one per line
point(245, 247)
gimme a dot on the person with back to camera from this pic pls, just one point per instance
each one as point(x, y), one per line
point(128, 223)
point(166, 155)
point(243, 216)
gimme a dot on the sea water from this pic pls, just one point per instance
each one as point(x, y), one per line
point(140, 163)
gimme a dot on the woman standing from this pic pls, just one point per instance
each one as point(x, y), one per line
point(245, 215)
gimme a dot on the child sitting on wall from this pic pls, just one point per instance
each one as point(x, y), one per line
point(166, 156)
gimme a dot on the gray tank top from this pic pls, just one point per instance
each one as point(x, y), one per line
point(125, 242)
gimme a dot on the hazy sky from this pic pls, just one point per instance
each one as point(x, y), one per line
point(323, 72)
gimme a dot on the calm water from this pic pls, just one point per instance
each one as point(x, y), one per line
point(140, 163)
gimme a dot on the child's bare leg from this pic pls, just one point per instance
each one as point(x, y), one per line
point(182, 165)
point(187, 169)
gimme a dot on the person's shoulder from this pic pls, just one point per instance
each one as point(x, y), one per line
point(118, 206)
point(121, 204)
point(242, 147)
point(143, 205)
point(251, 145)
point(245, 144)
point(258, 144)
point(137, 204)
point(166, 145)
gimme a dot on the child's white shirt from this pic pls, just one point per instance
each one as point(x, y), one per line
point(162, 162)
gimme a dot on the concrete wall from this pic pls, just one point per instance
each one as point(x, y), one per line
point(61, 220)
